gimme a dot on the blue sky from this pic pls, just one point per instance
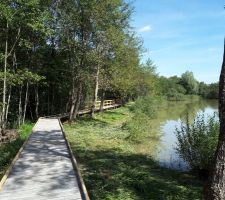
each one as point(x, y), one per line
point(181, 35)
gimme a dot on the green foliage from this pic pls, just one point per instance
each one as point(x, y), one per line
point(21, 77)
point(56, 47)
point(143, 110)
point(209, 91)
point(146, 105)
point(127, 65)
point(178, 88)
point(189, 82)
point(138, 127)
point(61, 44)
point(197, 141)
point(146, 79)
point(174, 95)
point(171, 88)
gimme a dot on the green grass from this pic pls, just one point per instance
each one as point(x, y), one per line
point(9, 150)
point(115, 168)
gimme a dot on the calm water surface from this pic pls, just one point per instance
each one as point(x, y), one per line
point(168, 119)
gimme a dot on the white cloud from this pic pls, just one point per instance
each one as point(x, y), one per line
point(145, 29)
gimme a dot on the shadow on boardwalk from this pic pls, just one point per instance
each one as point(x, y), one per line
point(44, 169)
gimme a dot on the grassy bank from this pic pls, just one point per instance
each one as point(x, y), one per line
point(8, 151)
point(114, 167)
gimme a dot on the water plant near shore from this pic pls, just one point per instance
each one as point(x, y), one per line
point(197, 141)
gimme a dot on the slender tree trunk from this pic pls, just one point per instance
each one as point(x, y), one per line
point(20, 106)
point(77, 104)
point(48, 101)
point(31, 114)
point(5, 77)
point(53, 99)
point(68, 103)
point(25, 103)
point(215, 188)
point(102, 101)
point(73, 94)
point(8, 103)
point(73, 101)
point(37, 102)
point(61, 106)
point(96, 91)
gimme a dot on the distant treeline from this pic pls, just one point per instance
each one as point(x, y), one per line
point(175, 88)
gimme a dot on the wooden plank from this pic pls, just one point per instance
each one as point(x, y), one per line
point(43, 169)
point(76, 168)
point(2, 182)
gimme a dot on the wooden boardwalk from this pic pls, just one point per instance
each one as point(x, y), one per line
point(87, 111)
point(65, 116)
point(44, 169)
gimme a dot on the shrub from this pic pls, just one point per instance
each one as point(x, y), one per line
point(197, 141)
point(146, 105)
point(138, 127)
point(174, 95)
point(143, 110)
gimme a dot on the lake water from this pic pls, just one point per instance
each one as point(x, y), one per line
point(164, 126)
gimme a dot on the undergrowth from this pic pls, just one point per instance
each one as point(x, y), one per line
point(9, 150)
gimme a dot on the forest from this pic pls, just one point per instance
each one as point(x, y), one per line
point(60, 56)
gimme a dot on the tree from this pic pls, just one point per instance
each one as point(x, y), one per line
point(215, 188)
point(110, 19)
point(61, 56)
point(189, 82)
point(23, 24)
point(171, 88)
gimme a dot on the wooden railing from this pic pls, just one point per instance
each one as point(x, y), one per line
point(105, 103)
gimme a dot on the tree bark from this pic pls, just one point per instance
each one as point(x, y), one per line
point(37, 102)
point(7, 106)
point(48, 101)
point(68, 103)
point(52, 101)
point(96, 91)
point(215, 188)
point(5, 77)
point(20, 106)
point(7, 54)
point(25, 103)
point(31, 113)
point(73, 101)
point(102, 101)
point(77, 104)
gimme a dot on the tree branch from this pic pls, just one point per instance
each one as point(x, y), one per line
point(17, 38)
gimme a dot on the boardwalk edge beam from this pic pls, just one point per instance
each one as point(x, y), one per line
point(80, 180)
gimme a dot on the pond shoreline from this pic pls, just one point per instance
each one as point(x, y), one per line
point(170, 118)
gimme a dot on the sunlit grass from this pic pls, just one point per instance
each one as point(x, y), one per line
point(115, 168)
